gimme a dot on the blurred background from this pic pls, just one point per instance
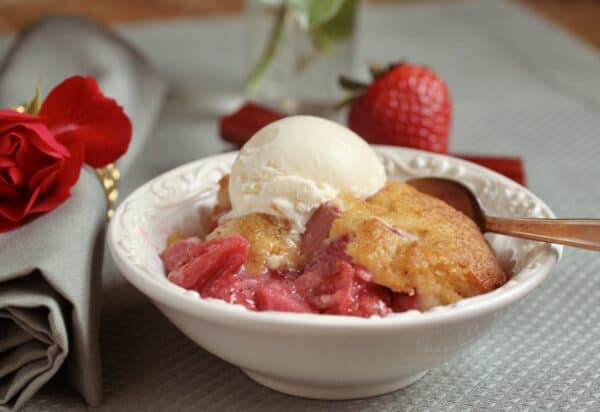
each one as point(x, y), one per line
point(580, 16)
point(293, 55)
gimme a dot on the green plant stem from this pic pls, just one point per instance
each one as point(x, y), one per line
point(262, 64)
point(351, 84)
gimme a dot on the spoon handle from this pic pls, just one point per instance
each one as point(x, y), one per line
point(583, 233)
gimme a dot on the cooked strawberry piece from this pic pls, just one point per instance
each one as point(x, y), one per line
point(344, 292)
point(280, 295)
point(234, 287)
point(327, 257)
point(332, 284)
point(317, 228)
point(402, 302)
point(371, 298)
point(211, 259)
point(179, 253)
point(328, 292)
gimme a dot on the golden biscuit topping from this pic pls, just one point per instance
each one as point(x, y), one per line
point(411, 242)
point(271, 244)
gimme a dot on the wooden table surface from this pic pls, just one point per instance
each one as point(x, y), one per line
point(582, 17)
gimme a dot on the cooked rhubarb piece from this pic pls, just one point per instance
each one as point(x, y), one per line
point(233, 287)
point(194, 264)
point(334, 285)
point(317, 228)
point(280, 294)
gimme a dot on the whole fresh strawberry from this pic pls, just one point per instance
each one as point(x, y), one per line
point(406, 105)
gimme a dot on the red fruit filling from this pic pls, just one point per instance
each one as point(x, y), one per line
point(282, 295)
point(317, 228)
point(196, 264)
point(402, 302)
point(330, 283)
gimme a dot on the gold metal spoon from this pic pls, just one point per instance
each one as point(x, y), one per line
point(582, 233)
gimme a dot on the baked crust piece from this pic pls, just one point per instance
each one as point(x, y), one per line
point(412, 242)
point(271, 244)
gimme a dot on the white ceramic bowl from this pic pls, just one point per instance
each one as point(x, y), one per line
point(323, 356)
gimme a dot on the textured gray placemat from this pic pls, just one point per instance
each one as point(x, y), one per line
point(520, 86)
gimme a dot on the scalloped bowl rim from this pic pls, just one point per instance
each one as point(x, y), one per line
point(166, 293)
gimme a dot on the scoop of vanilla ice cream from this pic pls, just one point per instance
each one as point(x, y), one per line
point(291, 166)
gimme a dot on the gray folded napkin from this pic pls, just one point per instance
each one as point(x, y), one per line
point(50, 269)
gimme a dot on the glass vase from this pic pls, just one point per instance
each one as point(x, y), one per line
point(296, 51)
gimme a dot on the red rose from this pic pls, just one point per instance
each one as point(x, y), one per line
point(41, 156)
point(36, 171)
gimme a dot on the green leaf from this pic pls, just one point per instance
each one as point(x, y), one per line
point(340, 27)
point(33, 107)
point(313, 13)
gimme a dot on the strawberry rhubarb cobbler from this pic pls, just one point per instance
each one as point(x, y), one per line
point(306, 222)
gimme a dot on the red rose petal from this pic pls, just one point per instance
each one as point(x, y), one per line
point(5, 181)
point(15, 175)
point(10, 116)
point(15, 211)
point(39, 135)
point(77, 111)
point(35, 134)
point(7, 145)
point(29, 159)
point(6, 225)
point(8, 193)
point(67, 176)
point(33, 197)
point(6, 161)
point(44, 177)
point(36, 170)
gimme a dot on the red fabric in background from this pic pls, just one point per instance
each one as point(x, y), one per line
point(241, 125)
point(511, 167)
